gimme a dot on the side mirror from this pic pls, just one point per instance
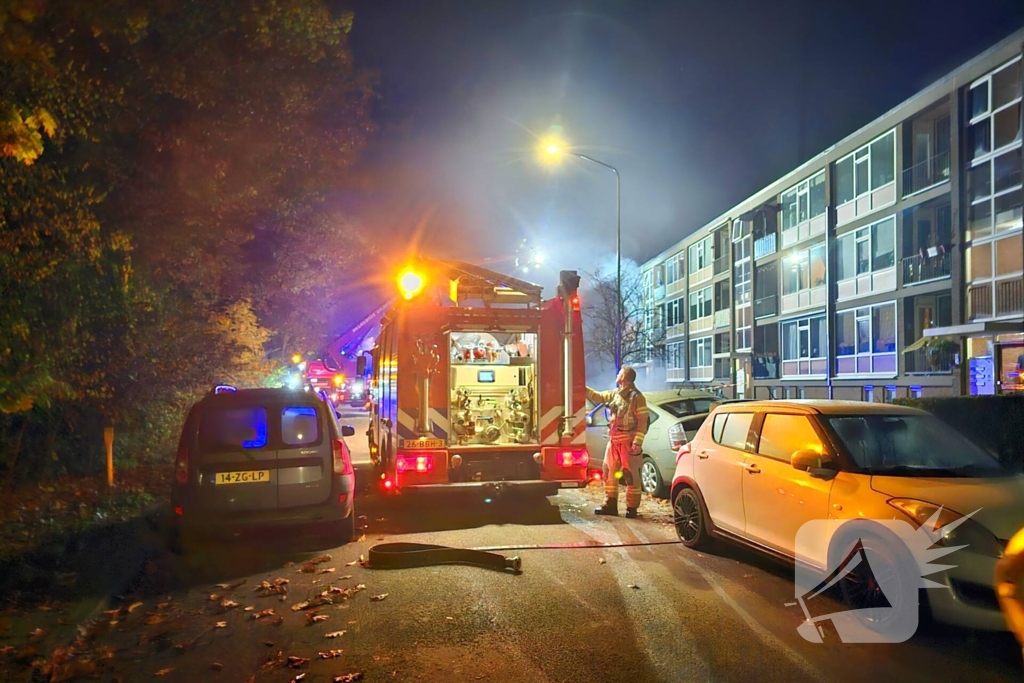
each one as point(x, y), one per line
point(590, 420)
point(361, 365)
point(348, 430)
point(814, 463)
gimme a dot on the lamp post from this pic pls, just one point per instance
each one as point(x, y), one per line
point(553, 149)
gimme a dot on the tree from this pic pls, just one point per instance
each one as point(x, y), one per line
point(642, 337)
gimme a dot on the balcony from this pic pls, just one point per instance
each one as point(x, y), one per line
point(675, 331)
point(723, 318)
point(764, 246)
point(701, 374)
point(675, 287)
point(705, 273)
point(918, 269)
point(1010, 297)
point(766, 306)
point(979, 301)
point(676, 374)
point(928, 362)
point(698, 325)
point(721, 265)
point(928, 173)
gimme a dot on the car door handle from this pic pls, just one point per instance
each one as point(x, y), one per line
point(703, 455)
point(752, 469)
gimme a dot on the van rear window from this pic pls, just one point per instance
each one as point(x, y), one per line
point(234, 428)
point(299, 425)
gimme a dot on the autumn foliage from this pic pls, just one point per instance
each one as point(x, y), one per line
point(167, 171)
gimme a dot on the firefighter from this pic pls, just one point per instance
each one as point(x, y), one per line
point(628, 425)
point(1010, 585)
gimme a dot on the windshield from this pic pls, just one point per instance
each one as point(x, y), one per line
point(911, 445)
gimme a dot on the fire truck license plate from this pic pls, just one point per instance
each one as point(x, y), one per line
point(413, 444)
point(254, 476)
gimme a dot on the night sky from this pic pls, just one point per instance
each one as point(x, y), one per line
point(699, 104)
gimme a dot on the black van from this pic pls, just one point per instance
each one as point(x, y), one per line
point(252, 457)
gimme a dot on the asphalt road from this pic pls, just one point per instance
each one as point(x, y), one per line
point(655, 613)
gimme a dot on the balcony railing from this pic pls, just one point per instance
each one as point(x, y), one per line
point(721, 265)
point(766, 306)
point(979, 301)
point(1009, 297)
point(925, 361)
point(919, 268)
point(764, 246)
point(925, 174)
point(723, 318)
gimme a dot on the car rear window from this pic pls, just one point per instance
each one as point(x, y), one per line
point(253, 427)
point(234, 428)
point(299, 425)
point(731, 429)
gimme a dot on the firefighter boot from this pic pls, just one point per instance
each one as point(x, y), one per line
point(610, 507)
point(631, 513)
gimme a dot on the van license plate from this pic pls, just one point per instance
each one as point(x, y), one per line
point(254, 476)
point(414, 444)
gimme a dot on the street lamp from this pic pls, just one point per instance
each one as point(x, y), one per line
point(552, 150)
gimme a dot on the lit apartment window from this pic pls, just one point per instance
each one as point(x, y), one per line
point(804, 347)
point(866, 340)
point(866, 179)
point(701, 360)
point(866, 260)
point(995, 276)
point(803, 210)
point(994, 181)
point(803, 278)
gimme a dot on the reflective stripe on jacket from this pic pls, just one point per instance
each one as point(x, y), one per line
point(629, 416)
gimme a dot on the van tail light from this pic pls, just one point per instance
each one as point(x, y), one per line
point(340, 463)
point(676, 436)
point(683, 450)
point(573, 458)
point(181, 465)
point(414, 463)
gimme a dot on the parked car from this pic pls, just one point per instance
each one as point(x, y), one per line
point(255, 457)
point(675, 417)
point(757, 471)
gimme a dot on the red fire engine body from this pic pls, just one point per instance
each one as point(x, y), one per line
point(482, 386)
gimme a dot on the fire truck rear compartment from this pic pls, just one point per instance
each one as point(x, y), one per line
point(493, 393)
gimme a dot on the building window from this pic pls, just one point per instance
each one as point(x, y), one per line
point(700, 304)
point(995, 276)
point(994, 192)
point(803, 202)
point(866, 174)
point(803, 278)
point(764, 362)
point(994, 103)
point(866, 260)
point(701, 359)
point(766, 290)
point(673, 313)
point(804, 346)
point(675, 356)
point(675, 269)
point(866, 340)
point(744, 327)
point(921, 313)
point(722, 343)
point(700, 255)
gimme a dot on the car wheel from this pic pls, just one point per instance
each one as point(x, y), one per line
point(650, 478)
point(690, 520)
point(894, 611)
point(344, 531)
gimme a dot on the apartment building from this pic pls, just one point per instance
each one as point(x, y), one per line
point(890, 265)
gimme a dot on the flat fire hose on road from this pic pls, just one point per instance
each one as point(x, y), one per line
point(408, 555)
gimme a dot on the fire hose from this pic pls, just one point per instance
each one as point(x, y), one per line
point(409, 555)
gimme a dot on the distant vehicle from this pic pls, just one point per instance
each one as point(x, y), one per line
point(470, 385)
point(342, 383)
point(758, 471)
point(255, 457)
point(675, 417)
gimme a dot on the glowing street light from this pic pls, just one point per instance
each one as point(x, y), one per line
point(552, 149)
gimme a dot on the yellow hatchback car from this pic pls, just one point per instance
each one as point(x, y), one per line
point(759, 471)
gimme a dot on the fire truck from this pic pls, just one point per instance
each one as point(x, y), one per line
point(478, 382)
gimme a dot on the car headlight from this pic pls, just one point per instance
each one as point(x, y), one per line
point(967, 532)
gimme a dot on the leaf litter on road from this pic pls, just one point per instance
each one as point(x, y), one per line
point(335, 634)
point(348, 678)
point(378, 598)
point(330, 654)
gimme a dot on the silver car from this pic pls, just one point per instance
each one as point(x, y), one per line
point(675, 417)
